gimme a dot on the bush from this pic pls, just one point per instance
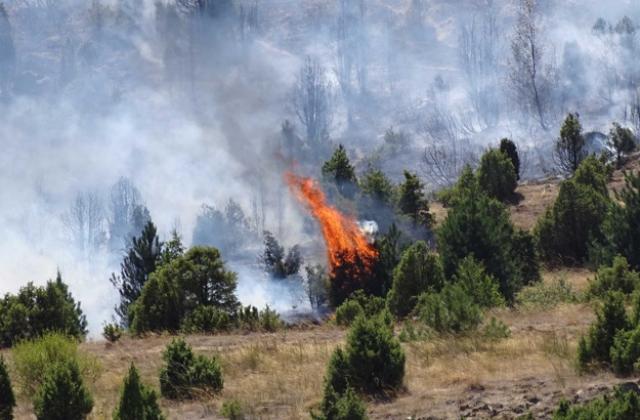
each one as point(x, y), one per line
point(622, 140)
point(567, 229)
point(35, 311)
point(372, 360)
point(7, 397)
point(374, 357)
point(185, 372)
point(618, 277)
point(496, 330)
point(32, 358)
point(419, 271)
point(497, 175)
point(345, 406)
point(480, 226)
point(621, 405)
point(621, 226)
point(137, 402)
point(112, 333)
point(546, 295)
point(625, 351)
point(206, 319)
point(412, 201)
point(570, 148)
point(450, 311)
point(509, 148)
point(611, 318)
point(174, 290)
point(474, 280)
point(62, 395)
point(232, 410)
point(339, 400)
point(348, 312)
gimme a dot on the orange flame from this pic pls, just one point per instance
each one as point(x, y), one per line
point(345, 241)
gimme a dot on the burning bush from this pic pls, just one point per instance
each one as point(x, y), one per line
point(351, 257)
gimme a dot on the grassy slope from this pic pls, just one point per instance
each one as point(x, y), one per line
point(279, 376)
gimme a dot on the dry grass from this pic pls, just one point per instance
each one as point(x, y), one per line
point(279, 376)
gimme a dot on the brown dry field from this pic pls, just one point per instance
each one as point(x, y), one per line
point(279, 376)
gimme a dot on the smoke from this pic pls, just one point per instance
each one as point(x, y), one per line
point(109, 89)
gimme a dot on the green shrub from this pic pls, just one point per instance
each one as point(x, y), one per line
point(479, 226)
point(374, 357)
point(474, 280)
point(345, 406)
point(7, 397)
point(348, 312)
point(622, 140)
point(621, 226)
point(339, 400)
point(450, 311)
point(621, 405)
point(269, 320)
point(137, 401)
point(412, 201)
point(419, 271)
point(497, 175)
point(112, 332)
point(252, 319)
point(413, 331)
point(496, 330)
point(372, 360)
point(625, 351)
point(567, 229)
point(32, 358)
point(618, 277)
point(508, 147)
point(546, 295)
point(232, 410)
point(197, 278)
point(185, 372)
point(35, 311)
point(62, 395)
point(206, 319)
point(611, 318)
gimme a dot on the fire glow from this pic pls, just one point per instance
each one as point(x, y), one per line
point(346, 243)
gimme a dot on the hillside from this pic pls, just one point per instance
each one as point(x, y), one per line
point(280, 375)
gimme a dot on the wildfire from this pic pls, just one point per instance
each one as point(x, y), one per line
point(346, 244)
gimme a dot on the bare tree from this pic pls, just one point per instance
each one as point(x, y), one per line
point(448, 148)
point(126, 210)
point(311, 101)
point(478, 53)
point(531, 75)
point(634, 112)
point(85, 223)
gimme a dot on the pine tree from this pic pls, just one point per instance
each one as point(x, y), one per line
point(621, 227)
point(7, 398)
point(570, 146)
point(141, 260)
point(497, 175)
point(412, 201)
point(137, 402)
point(419, 271)
point(62, 395)
point(377, 186)
point(339, 170)
point(622, 140)
point(508, 147)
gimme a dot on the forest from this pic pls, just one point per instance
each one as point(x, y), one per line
point(326, 209)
